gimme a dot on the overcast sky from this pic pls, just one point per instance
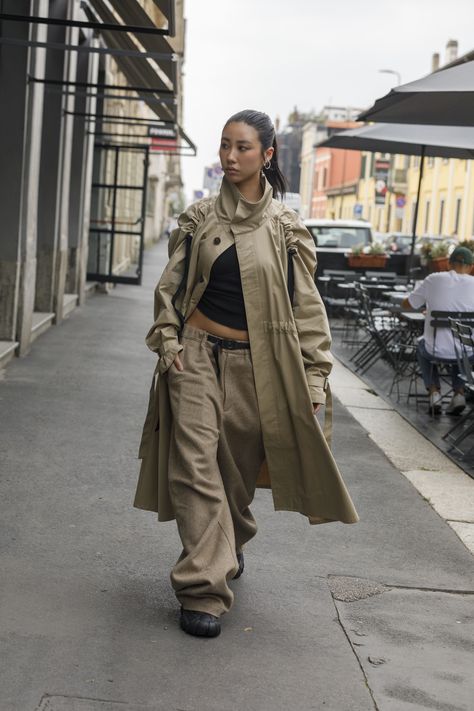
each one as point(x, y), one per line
point(271, 55)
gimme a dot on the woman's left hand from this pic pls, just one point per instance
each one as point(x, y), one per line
point(316, 407)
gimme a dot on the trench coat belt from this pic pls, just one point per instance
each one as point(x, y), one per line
point(226, 344)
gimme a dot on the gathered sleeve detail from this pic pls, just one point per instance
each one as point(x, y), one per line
point(162, 338)
point(308, 309)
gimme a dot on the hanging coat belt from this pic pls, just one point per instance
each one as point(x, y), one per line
point(226, 344)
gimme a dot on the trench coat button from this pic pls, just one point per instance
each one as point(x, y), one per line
point(217, 240)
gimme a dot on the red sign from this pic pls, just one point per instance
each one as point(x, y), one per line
point(164, 138)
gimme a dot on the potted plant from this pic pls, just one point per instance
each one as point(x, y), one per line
point(370, 256)
point(425, 253)
point(439, 261)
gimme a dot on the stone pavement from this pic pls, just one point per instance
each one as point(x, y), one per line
point(437, 477)
point(342, 618)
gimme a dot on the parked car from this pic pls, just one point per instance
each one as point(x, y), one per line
point(339, 235)
point(398, 242)
point(334, 239)
point(379, 237)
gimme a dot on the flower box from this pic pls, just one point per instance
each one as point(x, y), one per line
point(367, 261)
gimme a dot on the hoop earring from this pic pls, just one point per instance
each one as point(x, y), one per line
point(267, 165)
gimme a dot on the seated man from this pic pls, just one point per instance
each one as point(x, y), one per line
point(443, 291)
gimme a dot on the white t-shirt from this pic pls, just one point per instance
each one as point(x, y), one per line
point(443, 291)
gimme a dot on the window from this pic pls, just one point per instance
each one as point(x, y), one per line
point(458, 215)
point(441, 217)
point(427, 215)
point(325, 177)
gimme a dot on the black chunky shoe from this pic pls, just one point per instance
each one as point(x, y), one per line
point(199, 624)
point(240, 558)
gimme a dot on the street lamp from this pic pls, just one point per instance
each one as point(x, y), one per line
point(392, 71)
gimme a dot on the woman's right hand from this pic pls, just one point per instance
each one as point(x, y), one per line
point(177, 363)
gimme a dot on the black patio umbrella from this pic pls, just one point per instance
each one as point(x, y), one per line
point(444, 98)
point(417, 140)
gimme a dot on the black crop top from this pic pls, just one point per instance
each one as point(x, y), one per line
point(223, 300)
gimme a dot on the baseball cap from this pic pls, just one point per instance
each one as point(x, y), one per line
point(462, 255)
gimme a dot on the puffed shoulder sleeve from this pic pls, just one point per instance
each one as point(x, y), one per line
point(162, 338)
point(308, 308)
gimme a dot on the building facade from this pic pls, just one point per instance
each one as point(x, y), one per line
point(315, 163)
point(90, 146)
point(336, 175)
point(447, 191)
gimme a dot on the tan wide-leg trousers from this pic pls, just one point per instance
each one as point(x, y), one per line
point(215, 456)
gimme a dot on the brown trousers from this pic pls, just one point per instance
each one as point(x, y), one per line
point(215, 456)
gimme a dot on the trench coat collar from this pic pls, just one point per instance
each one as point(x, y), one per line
point(233, 209)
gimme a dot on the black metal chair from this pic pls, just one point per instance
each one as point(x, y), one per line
point(442, 320)
point(380, 330)
point(464, 345)
point(335, 304)
point(406, 366)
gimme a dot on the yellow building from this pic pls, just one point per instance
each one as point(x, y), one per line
point(446, 198)
point(387, 217)
point(340, 205)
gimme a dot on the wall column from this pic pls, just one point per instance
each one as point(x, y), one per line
point(81, 176)
point(55, 168)
point(20, 144)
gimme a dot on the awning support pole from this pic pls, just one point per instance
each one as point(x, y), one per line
point(417, 207)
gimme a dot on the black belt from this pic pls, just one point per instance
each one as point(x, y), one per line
point(226, 344)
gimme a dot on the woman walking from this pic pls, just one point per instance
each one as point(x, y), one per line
point(243, 344)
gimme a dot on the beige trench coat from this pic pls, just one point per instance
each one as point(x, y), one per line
point(289, 346)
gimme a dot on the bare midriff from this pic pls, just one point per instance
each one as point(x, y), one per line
point(198, 320)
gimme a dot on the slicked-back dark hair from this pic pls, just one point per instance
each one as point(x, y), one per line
point(266, 133)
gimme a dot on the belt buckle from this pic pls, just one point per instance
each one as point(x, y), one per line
point(228, 344)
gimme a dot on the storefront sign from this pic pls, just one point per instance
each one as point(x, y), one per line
point(163, 138)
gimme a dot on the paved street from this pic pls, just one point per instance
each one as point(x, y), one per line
point(341, 618)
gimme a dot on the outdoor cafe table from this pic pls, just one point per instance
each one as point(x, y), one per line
point(414, 319)
point(412, 316)
point(370, 286)
point(396, 297)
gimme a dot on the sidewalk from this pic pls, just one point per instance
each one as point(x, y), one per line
point(334, 617)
